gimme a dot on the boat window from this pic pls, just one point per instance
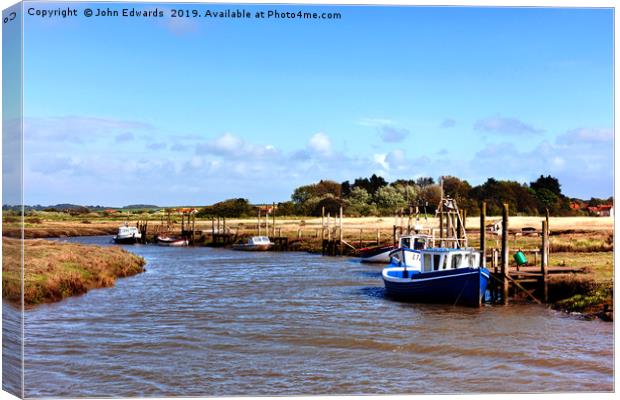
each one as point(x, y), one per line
point(436, 260)
point(427, 263)
point(419, 244)
point(457, 260)
point(406, 242)
point(473, 260)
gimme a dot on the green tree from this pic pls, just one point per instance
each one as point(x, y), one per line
point(547, 182)
point(372, 184)
point(231, 208)
point(389, 199)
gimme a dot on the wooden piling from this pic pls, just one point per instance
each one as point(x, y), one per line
point(441, 233)
point(341, 236)
point(322, 224)
point(329, 231)
point(273, 214)
point(544, 260)
point(505, 260)
point(258, 223)
point(483, 245)
point(464, 221)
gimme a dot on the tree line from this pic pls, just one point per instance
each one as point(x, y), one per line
point(374, 196)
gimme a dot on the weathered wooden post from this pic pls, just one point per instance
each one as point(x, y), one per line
point(394, 228)
point(409, 219)
point(505, 260)
point(273, 214)
point(483, 244)
point(224, 225)
point(544, 260)
point(193, 216)
point(322, 224)
point(464, 221)
point(258, 222)
point(441, 233)
point(340, 250)
point(266, 223)
point(547, 231)
point(329, 230)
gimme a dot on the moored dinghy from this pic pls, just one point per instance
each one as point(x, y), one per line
point(172, 241)
point(383, 254)
point(442, 276)
point(255, 243)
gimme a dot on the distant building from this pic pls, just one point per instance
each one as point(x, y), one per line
point(604, 210)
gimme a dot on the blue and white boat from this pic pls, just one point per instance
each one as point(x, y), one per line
point(437, 275)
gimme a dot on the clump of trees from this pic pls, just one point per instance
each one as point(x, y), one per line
point(231, 208)
point(375, 196)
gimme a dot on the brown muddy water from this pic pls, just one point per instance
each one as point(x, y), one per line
point(212, 322)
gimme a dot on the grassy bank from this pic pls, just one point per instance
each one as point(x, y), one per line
point(53, 270)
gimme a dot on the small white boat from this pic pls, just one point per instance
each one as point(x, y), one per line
point(164, 240)
point(127, 235)
point(255, 243)
point(383, 254)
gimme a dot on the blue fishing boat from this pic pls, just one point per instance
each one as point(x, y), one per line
point(442, 275)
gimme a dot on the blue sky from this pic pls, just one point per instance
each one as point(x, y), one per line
point(193, 111)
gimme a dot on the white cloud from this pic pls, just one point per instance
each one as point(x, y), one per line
point(229, 145)
point(320, 143)
point(380, 159)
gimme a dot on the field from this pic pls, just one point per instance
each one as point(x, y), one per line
point(54, 270)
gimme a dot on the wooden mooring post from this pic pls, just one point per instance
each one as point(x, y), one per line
point(505, 255)
point(483, 245)
point(544, 259)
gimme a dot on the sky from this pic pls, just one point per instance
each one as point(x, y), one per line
point(185, 111)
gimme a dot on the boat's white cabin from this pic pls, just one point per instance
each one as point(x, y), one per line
point(442, 259)
point(260, 240)
point(415, 242)
point(128, 230)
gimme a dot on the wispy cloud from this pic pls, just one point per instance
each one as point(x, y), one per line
point(157, 146)
point(78, 129)
point(232, 146)
point(506, 126)
point(390, 134)
point(375, 122)
point(124, 137)
point(586, 136)
point(447, 123)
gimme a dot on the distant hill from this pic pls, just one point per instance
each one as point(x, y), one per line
point(142, 206)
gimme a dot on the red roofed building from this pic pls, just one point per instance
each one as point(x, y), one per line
point(604, 210)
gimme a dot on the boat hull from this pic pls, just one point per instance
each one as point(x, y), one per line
point(379, 254)
point(172, 242)
point(251, 247)
point(126, 240)
point(465, 286)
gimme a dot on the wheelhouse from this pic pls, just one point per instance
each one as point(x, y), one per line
point(443, 259)
point(415, 242)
